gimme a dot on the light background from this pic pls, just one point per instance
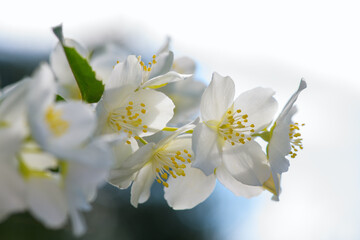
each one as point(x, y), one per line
point(257, 43)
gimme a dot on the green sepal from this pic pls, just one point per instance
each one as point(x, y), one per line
point(91, 88)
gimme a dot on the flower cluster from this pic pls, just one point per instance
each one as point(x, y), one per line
point(81, 121)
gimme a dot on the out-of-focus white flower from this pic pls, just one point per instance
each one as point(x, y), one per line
point(185, 94)
point(66, 84)
point(169, 157)
point(284, 139)
point(60, 125)
point(105, 58)
point(226, 128)
point(12, 132)
point(155, 74)
point(55, 170)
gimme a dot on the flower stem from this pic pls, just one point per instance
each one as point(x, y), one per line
point(173, 129)
point(143, 141)
point(170, 129)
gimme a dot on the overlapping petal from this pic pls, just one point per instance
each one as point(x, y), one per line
point(259, 105)
point(238, 188)
point(189, 191)
point(205, 144)
point(217, 98)
point(125, 73)
point(140, 190)
point(247, 163)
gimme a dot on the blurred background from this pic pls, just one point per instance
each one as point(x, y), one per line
point(257, 43)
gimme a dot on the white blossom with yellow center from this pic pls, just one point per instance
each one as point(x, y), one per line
point(135, 113)
point(154, 74)
point(284, 139)
point(55, 168)
point(168, 158)
point(227, 127)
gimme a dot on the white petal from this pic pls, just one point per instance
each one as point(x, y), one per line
point(206, 148)
point(184, 65)
point(123, 150)
point(247, 163)
point(259, 105)
point(13, 102)
point(40, 97)
point(82, 123)
point(217, 98)
point(188, 191)
point(159, 110)
point(102, 116)
point(78, 223)
point(47, 202)
point(113, 98)
point(278, 148)
point(164, 63)
point(117, 97)
point(140, 190)
point(125, 73)
point(279, 145)
point(167, 142)
point(180, 144)
point(12, 188)
point(10, 141)
point(292, 100)
point(123, 175)
point(186, 96)
point(104, 60)
point(162, 80)
point(89, 166)
point(42, 87)
point(235, 186)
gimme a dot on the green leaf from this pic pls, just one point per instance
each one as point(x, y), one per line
point(59, 98)
point(91, 89)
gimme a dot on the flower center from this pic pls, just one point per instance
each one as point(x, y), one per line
point(3, 124)
point(128, 119)
point(147, 68)
point(295, 140)
point(33, 162)
point(57, 125)
point(167, 163)
point(235, 127)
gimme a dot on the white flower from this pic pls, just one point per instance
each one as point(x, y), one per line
point(12, 132)
point(137, 113)
point(227, 127)
point(60, 125)
point(284, 139)
point(155, 74)
point(67, 85)
point(186, 193)
point(55, 171)
point(152, 162)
